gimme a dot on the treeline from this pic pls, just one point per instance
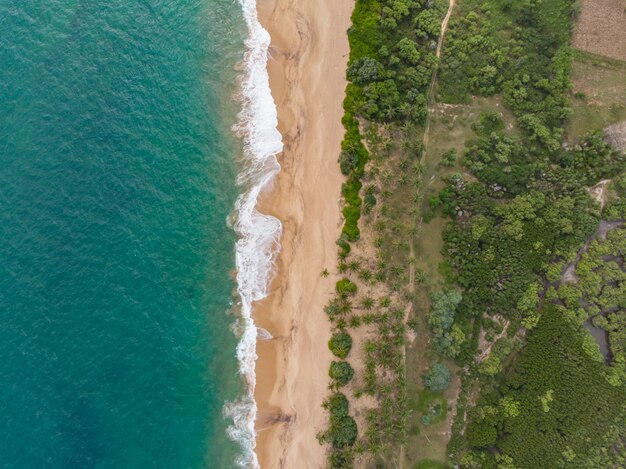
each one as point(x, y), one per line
point(392, 59)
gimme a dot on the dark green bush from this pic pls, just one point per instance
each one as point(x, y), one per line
point(343, 431)
point(341, 372)
point(348, 161)
point(341, 459)
point(340, 344)
point(344, 246)
point(337, 405)
point(448, 159)
point(369, 200)
point(481, 434)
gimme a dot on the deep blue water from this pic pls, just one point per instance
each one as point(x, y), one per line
point(116, 179)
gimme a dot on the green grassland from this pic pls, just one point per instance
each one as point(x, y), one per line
point(599, 94)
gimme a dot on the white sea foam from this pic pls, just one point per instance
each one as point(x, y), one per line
point(259, 234)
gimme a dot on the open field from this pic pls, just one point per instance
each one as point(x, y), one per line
point(599, 94)
point(601, 28)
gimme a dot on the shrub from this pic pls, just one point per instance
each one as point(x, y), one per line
point(370, 199)
point(337, 405)
point(365, 70)
point(348, 161)
point(344, 246)
point(429, 464)
point(340, 344)
point(341, 459)
point(488, 122)
point(437, 378)
point(346, 287)
point(343, 431)
point(341, 372)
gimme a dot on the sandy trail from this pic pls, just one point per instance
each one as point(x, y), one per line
point(307, 77)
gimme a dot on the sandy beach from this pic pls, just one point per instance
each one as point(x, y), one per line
point(307, 77)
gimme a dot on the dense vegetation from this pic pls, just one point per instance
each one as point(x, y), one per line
point(596, 297)
point(535, 390)
point(555, 410)
point(518, 218)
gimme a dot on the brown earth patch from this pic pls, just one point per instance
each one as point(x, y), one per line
point(616, 135)
point(601, 28)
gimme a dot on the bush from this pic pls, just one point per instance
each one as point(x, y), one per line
point(489, 122)
point(365, 70)
point(340, 344)
point(437, 378)
point(352, 208)
point(370, 199)
point(337, 405)
point(344, 246)
point(341, 372)
point(346, 287)
point(348, 161)
point(343, 431)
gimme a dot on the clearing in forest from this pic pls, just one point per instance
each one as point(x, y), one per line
point(599, 94)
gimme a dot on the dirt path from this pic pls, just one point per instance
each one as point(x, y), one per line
point(444, 28)
point(487, 351)
point(599, 193)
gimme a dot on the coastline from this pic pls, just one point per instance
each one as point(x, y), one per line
point(309, 49)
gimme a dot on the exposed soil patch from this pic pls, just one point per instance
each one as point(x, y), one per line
point(616, 135)
point(598, 192)
point(485, 345)
point(601, 28)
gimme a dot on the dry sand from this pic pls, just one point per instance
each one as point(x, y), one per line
point(309, 50)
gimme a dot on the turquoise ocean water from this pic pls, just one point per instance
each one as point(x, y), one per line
point(117, 175)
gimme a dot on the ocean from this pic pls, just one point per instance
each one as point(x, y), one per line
point(128, 180)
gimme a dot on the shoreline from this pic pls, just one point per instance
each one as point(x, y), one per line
point(309, 48)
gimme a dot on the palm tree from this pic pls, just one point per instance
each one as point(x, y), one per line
point(365, 274)
point(367, 303)
point(418, 169)
point(325, 273)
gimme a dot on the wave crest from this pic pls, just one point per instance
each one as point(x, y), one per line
point(259, 234)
